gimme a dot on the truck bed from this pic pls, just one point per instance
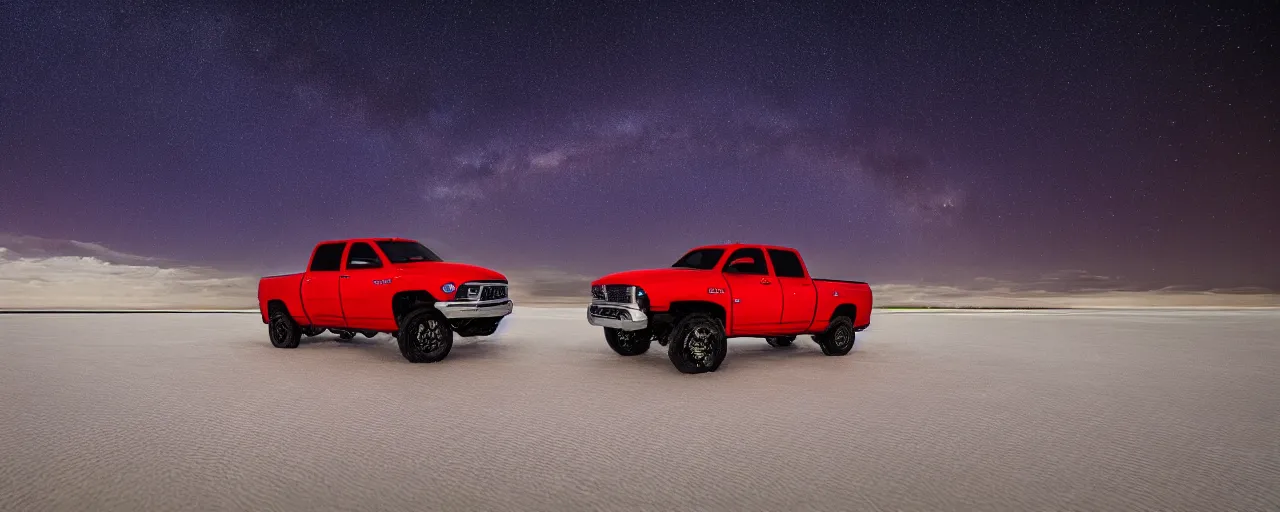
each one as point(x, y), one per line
point(839, 281)
point(286, 288)
point(832, 293)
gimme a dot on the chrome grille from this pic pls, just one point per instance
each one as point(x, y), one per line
point(493, 292)
point(481, 291)
point(617, 293)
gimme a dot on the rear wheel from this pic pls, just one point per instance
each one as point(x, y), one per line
point(628, 343)
point(284, 331)
point(697, 344)
point(838, 339)
point(780, 341)
point(425, 336)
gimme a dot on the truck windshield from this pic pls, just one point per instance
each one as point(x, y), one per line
point(407, 252)
point(701, 259)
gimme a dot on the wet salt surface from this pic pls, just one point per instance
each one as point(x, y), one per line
point(1112, 410)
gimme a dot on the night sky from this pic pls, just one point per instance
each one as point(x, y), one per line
point(895, 141)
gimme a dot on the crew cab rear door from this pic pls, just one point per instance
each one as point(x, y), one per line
point(320, 294)
point(757, 299)
point(799, 296)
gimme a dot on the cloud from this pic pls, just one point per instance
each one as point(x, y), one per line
point(37, 247)
point(40, 273)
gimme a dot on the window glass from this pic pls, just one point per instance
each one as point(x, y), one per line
point(701, 259)
point(328, 257)
point(407, 252)
point(786, 263)
point(363, 256)
point(758, 267)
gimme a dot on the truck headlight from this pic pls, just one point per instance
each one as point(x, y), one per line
point(448, 288)
point(642, 299)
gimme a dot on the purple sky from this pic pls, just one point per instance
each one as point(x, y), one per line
point(900, 141)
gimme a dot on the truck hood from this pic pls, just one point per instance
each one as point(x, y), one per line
point(449, 271)
point(647, 277)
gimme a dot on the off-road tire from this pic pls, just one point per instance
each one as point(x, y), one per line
point(628, 343)
point(780, 341)
point(425, 336)
point(690, 330)
point(838, 339)
point(283, 330)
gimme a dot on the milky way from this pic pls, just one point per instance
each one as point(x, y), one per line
point(904, 141)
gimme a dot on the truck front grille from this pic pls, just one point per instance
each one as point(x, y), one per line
point(493, 292)
point(617, 293)
point(481, 291)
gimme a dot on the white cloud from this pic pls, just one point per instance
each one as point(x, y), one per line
point(32, 277)
point(39, 273)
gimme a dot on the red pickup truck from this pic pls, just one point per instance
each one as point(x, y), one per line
point(717, 292)
point(391, 285)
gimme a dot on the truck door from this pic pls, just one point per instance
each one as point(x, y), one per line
point(799, 297)
point(756, 298)
point(366, 288)
point(320, 295)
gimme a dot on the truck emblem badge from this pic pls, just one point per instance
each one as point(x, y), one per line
point(714, 291)
point(835, 294)
point(381, 281)
point(735, 301)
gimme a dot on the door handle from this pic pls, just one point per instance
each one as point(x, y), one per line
point(764, 280)
point(344, 276)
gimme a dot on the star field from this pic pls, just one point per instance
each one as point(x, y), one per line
point(899, 141)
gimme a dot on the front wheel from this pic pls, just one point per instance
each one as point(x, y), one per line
point(838, 339)
point(697, 344)
point(628, 343)
point(425, 336)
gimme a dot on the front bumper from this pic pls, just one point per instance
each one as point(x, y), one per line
point(474, 309)
point(615, 315)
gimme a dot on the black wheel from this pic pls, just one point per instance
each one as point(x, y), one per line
point(780, 341)
point(369, 334)
point(284, 331)
point(425, 336)
point(838, 339)
point(697, 344)
point(628, 343)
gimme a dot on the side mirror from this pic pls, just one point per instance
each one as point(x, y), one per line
point(738, 263)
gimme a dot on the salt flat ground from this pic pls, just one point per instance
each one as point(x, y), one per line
point(1075, 410)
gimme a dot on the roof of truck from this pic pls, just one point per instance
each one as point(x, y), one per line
point(372, 239)
point(739, 245)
